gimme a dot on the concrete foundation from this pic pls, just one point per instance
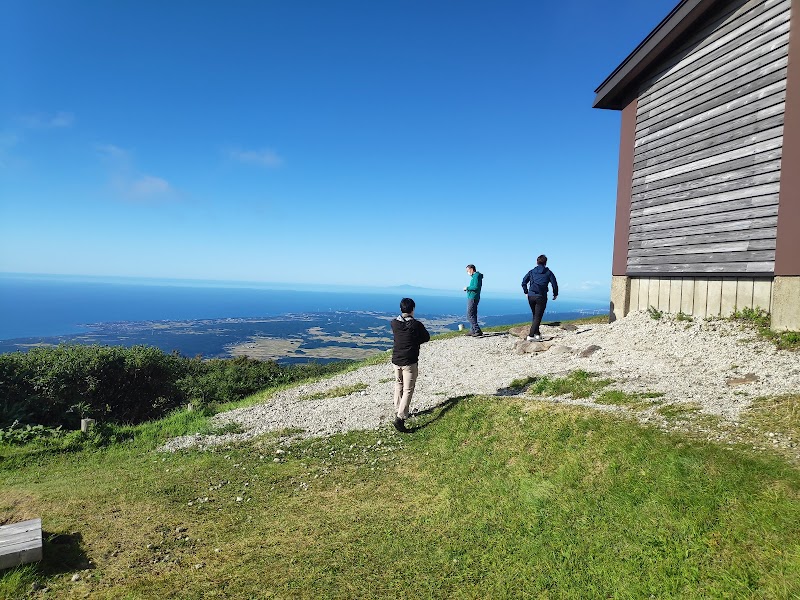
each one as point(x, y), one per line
point(620, 297)
point(709, 297)
point(786, 304)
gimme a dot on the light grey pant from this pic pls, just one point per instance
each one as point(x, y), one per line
point(405, 378)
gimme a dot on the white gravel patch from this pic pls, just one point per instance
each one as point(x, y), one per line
point(689, 362)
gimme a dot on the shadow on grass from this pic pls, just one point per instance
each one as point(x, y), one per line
point(63, 553)
point(437, 411)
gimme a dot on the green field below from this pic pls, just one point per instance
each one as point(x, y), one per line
point(489, 498)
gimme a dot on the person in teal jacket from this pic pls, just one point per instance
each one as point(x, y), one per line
point(473, 297)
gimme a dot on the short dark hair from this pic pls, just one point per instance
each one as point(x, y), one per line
point(407, 305)
point(542, 260)
point(472, 267)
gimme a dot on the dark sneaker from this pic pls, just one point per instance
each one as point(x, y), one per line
point(400, 425)
point(477, 334)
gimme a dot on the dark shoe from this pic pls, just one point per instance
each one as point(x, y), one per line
point(400, 425)
point(477, 334)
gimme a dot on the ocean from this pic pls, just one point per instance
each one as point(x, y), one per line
point(213, 320)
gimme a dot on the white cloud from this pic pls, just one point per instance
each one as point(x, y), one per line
point(128, 182)
point(58, 120)
point(262, 158)
point(112, 151)
point(148, 186)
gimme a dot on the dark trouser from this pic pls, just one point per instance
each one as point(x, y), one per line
point(472, 315)
point(537, 304)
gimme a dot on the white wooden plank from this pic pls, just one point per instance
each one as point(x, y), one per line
point(634, 300)
point(652, 295)
point(664, 288)
point(728, 301)
point(644, 293)
point(744, 293)
point(714, 298)
point(687, 295)
point(700, 297)
point(675, 291)
point(762, 293)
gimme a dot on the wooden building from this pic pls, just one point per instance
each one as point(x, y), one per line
point(708, 198)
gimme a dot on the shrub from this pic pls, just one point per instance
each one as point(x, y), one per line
point(57, 386)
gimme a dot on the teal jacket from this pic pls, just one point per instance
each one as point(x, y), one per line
point(474, 287)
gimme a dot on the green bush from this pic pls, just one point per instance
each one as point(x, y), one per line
point(57, 386)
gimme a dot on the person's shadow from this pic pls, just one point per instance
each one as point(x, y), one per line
point(429, 416)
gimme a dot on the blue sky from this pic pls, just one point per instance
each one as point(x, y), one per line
point(346, 142)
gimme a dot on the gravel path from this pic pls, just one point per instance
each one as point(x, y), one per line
point(686, 361)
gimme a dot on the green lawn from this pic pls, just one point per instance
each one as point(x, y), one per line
point(488, 498)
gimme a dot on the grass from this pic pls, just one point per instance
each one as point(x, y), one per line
point(487, 499)
point(635, 400)
point(338, 392)
point(654, 313)
point(779, 414)
point(761, 320)
point(578, 384)
point(678, 410)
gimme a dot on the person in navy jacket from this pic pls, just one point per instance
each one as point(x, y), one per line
point(535, 284)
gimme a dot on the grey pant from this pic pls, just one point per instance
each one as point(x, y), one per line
point(405, 378)
point(472, 315)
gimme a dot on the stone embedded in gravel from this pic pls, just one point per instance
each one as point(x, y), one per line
point(521, 332)
point(569, 327)
point(587, 352)
point(561, 350)
point(749, 378)
point(525, 347)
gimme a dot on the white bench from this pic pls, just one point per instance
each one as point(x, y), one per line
point(20, 543)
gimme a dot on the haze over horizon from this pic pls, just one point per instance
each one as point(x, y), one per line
point(353, 143)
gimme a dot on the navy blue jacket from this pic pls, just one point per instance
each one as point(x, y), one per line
point(536, 281)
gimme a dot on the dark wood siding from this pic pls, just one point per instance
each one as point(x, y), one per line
point(707, 158)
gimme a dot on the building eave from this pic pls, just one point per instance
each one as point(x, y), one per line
point(618, 88)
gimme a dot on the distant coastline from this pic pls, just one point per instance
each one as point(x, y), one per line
point(286, 325)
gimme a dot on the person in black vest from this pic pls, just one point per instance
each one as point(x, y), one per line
point(408, 335)
point(535, 285)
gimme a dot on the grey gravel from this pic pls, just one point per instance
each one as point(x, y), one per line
point(689, 362)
